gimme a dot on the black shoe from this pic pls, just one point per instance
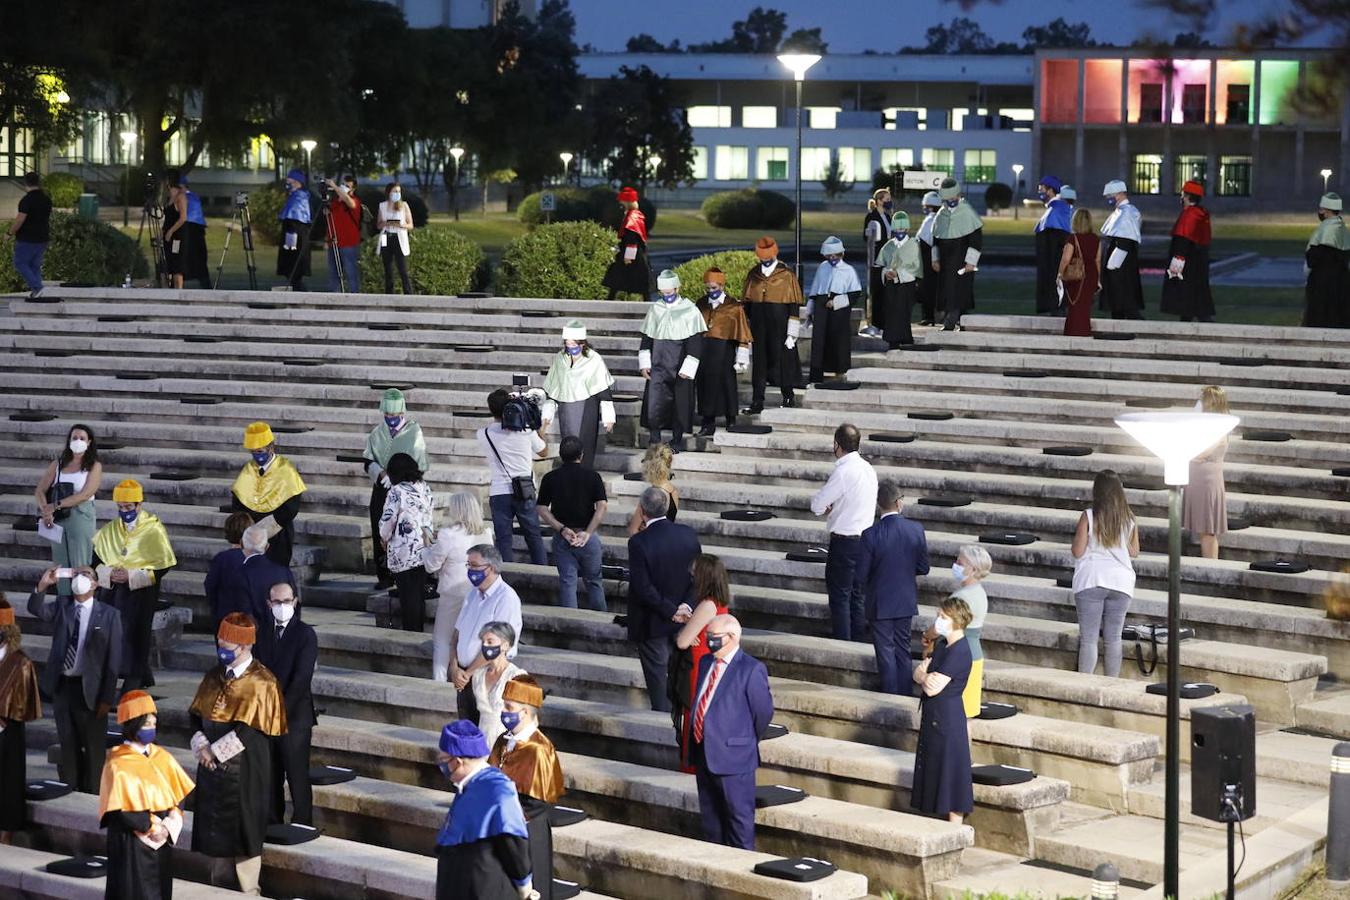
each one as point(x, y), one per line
point(789, 401)
point(707, 430)
point(653, 438)
point(677, 446)
point(753, 409)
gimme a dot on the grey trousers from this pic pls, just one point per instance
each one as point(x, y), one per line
point(1100, 610)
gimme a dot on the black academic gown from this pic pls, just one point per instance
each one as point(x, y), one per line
point(233, 800)
point(1327, 292)
point(13, 770)
point(1189, 296)
point(135, 872)
point(716, 381)
point(668, 399)
point(831, 336)
point(958, 291)
point(1049, 249)
point(294, 264)
point(281, 545)
point(137, 609)
point(1122, 291)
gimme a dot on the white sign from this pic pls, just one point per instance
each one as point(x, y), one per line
point(922, 181)
point(547, 203)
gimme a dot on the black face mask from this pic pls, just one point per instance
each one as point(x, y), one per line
point(491, 652)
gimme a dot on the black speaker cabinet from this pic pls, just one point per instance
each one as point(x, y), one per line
point(1223, 762)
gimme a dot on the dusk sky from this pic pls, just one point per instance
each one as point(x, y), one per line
point(852, 26)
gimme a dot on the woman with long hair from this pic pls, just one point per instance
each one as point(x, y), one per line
point(405, 529)
point(19, 703)
point(876, 232)
point(656, 465)
point(1104, 543)
point(631, 271)
point(1204, 504)
point(396, 223)
point(712, 590)
point(463, 528)
point(1083, 245)
point(65, 496)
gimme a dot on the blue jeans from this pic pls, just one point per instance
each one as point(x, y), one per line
point(351, 269)
point(505, 508)
point(28, 263)
point(569, 559)
point(848, 618)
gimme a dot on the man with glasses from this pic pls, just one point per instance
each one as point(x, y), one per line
point(490, 599)
point(291, 653)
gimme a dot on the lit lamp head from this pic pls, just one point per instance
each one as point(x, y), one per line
point(566, 159)
point(308, 146)
point(798, 63)
point(456, 152)
point(1177, 437)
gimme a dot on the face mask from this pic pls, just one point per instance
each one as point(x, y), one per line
point(888, 206)
point(492, 651)
point(1110, 201)
point(146, 735)
point(283, 612)
point(951, 204)
point(261, 457)
point(900, 235)
point(958, 572)
point(715, 294)
point(669, 298)
point(81, 585)
point(942, 625)
point(716, 642)
point(343, 189)
point(396, 196)
point(477, 577)
point(393, 423)
point(128, 517)
point(574, 351)
point(78, 446)
point(445, 768)
point(832, 261)
point(510, 720)
point(1042, 196)
point(226, 657)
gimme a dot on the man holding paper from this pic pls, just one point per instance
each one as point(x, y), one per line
point(1122, 292)
point(958, 238)
point(829, 307)
point(668, 357)
point(237, 709)
point(901, 262)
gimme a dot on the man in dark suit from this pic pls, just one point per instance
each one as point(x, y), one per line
point(732, 710)
point(81, 672)
point(291, 655)
point(225, 573)
point(660, 589)
point(258, 574)
point(893, 553)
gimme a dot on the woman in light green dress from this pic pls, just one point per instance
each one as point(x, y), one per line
point(76, 472)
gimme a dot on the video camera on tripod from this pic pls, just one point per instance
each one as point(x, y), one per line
point(523, 407)
point(151, 215)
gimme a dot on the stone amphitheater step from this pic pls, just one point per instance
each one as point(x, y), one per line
point(1276, 800)
point(23, 873)
point(1255, 335)
point(989, 873)
point(1133, 843)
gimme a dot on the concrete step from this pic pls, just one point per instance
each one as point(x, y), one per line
point(987, 873)
point(23, 873)
point(1133, 843)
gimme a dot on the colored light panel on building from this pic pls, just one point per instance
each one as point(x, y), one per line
point(1279, 78)
point(1101, 101)
point(1234, 92)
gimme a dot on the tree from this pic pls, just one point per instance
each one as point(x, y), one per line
point(759, 32)
point(645, 43)
point(1058, 34)
point(1189, 40)
point(961, 35)
point(634, 117)
point(41, 80)
point(833, 180)
point(805, 40)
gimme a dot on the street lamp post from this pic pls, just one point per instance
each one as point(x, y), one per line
point(567, 162)
point(308, 146)
point(455, 153)
point(1175, 438)
point(798, 64)
point(1017, 188)
point(1326, 176)
point(128, 141)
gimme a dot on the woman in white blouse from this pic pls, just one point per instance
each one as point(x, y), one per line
point(405, 528)
point(446, 559)
point(395, 223)
point(490, 680)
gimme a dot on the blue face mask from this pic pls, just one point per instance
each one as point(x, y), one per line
point(833, 262)
point(146, 735)
point(445, 769)
point(510, 720)
point(1111, 201)
point(226, 657)
point(1042, 196)
point(715, 642)
point(477, 577)
point(128, 516)
point(715, 294)
point(951, 204)
point(261, 457)
point(888, 206)
point(393, 423)
point(670, 298)
point(574, 351)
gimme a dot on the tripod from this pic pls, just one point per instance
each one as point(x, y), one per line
point(335, 253)
point(241, 216)
point(154, 216)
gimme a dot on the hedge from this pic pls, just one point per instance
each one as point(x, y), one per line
point(998, 196)
point(441, 261)
point(562, 260)
point(573, 204)
point(735, 263)
point(64, 189)
point(80, 251)
point(749, 208)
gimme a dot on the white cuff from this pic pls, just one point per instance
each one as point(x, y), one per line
point(548, 410)
point(906, 276)
point(972, 257)
point(104, 573)
point(794, 330)
point(199, 741)
point(742, 356)
point(607, 416)
point(139, 578)
point(644, 359)
point(689, 368)
point(1178, 264)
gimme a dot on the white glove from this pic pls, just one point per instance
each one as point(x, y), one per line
point(689, 368)
point(840, 301)
point(139, 578)
point(1176, 268)
point(644, 360)
point(742, 359)
point(607, 417)
point(794, 329)
point(547, 411)
point(384, 480)
point(972, 257)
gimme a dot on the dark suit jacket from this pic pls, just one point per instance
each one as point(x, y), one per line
point(659, 557)
point(102, 646)
point(223, 579)
point(292, 660)
point(894, 551)
point(257, 575)
point(740, 711)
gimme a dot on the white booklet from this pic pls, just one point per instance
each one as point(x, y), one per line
point(227, 747)
point(51, 532)
point(630, 252)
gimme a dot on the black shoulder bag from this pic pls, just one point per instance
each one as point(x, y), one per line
point(57, 491)
point(522, 486)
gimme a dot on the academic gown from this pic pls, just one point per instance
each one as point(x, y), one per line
point(902, 258)
point(483, 851)
point(274, 493)
point(1327, 292)
point(728, 331)
point(635, 276)
point(772, 301)
point(233, 800)
point(930, 283)
point(1052, 231)
point(1189, 296)
point(580, 390)
point(137, 788)
point(19, 703)
point(672, 344)
point(1122, 291)
point(293, 251)
point(958, 239)
point(532, 765)
point(147, 556)
point(832, 329)
point(876, 230)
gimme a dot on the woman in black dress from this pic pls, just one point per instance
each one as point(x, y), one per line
point(630, 273)
point(942, 782)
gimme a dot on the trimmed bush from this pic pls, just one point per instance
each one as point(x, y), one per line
point(735, 263)
point(80, 251)
point(373, 196)
point(562, 260)
point(264, 204)
point(596, 204)
point(749, 208)
point(998, 196)
point(609, 213)
point(64, 189)
point(441, 261)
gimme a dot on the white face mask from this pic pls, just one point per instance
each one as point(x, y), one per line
point(81, 585)
point(78, 446)
point(958, 571)
point(942, 625)
point(283, 612)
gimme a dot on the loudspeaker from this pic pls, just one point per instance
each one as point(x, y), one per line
point(1223, 763)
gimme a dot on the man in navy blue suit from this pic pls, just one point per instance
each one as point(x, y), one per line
point(660, 589)
point(732, 709)
point(893, 553)
point(257, 575)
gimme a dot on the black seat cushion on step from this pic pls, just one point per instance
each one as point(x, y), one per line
point(1064, 581)
point(950, 501)
point(201, 400)
point(626, 398)
point(796, 868)
point(79, 867)
point(1237, 523)
point(777, 795)
point(1010, 538)
point(292, 429)
point(774, 731)
point(632, 476)
point(1281, 566)
point(302, 362)
point(746, 515)
point(1190, 690)
point(1341, 471)
point(384, 326)
point(25, 523)
point(931, 416)
point(386, 385)
point(203, 339)
point(1025, 373)
point(1149, 403)
point(289, 835)
point(53, 354)
point(116, 318)
point(476, 295)
point(259, 304)
point(536, 314)
point(613, 572)
point(472, 348)
point(31, 416)
point(45, 789)
point(837, 385)
point(565, 890)
point(1241, 361)
point(136, 376)
point(1113, 336)
point(750, 429)
point(41, 299)
point(562, 816)
point(890, 437)
point(1265, 434)
point(999, 775)
point(330, 775)
point(811, 555)
point(992, 711)
point(621, 620)
point(1066, 451)
point(173, 476)
point(351, 458)
point(920, 348)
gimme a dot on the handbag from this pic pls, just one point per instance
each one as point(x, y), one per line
point(522, 486)
point(57, 491)
point(1076, 268)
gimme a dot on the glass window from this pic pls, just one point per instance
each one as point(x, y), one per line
point(1235, 175)
point(959, 118)
point(1279, 78)
point(1146, 173)
point(938, 160)
point(732, 163)
point(771, 164)
point(759, 116)
point(980, 166)
point(855, 163)
point(1189, 167)
point(822, 116)
point(1059, 91)
point(700, 163)
point(896, 156)
point(815, 163)
point(1101, 88)
point(708, 116)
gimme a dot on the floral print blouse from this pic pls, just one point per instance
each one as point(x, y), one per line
point(404, 523)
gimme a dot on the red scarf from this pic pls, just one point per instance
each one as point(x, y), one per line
point(635, 222)
point(1193, 224)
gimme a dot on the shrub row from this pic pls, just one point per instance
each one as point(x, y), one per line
point(572, 204)
point(749, 208)
point(81, 252)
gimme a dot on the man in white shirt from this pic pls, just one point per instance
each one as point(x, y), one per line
point(511, 455)
point(490, 599)
point(848, 500)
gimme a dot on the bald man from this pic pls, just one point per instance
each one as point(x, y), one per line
point(732, 710)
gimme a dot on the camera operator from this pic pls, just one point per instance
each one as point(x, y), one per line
point(344, 209)
point(511, 446)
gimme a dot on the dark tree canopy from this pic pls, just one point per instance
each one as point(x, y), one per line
point(1058, 34)
point(634, 117)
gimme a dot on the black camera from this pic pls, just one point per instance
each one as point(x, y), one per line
point(240, 199)
point(522, 411)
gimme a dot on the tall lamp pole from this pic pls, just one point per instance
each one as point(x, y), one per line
point(1017, 189)
point(798, 63)
point(128, 141)
point(308, 146)
point(567, 164)
point(1176, 438)
point(1326, 176)
point(456, 153)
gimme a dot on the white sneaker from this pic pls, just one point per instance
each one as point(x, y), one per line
point(869, 331)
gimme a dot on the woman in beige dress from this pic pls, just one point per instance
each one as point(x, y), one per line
point(1204, 509)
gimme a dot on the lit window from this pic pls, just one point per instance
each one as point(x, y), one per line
point(939, 160)
point(822, 116)
point(893, 156)
point(700, 163)
point(732, 163)
point(771, 164)
point(1146, 173)
point(959, 118)
point(979, 166)
point(759, 116)
point(1235, 174)
point(855, 163)
point(1189, 167)
point(815, 163)
point(708, 116)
